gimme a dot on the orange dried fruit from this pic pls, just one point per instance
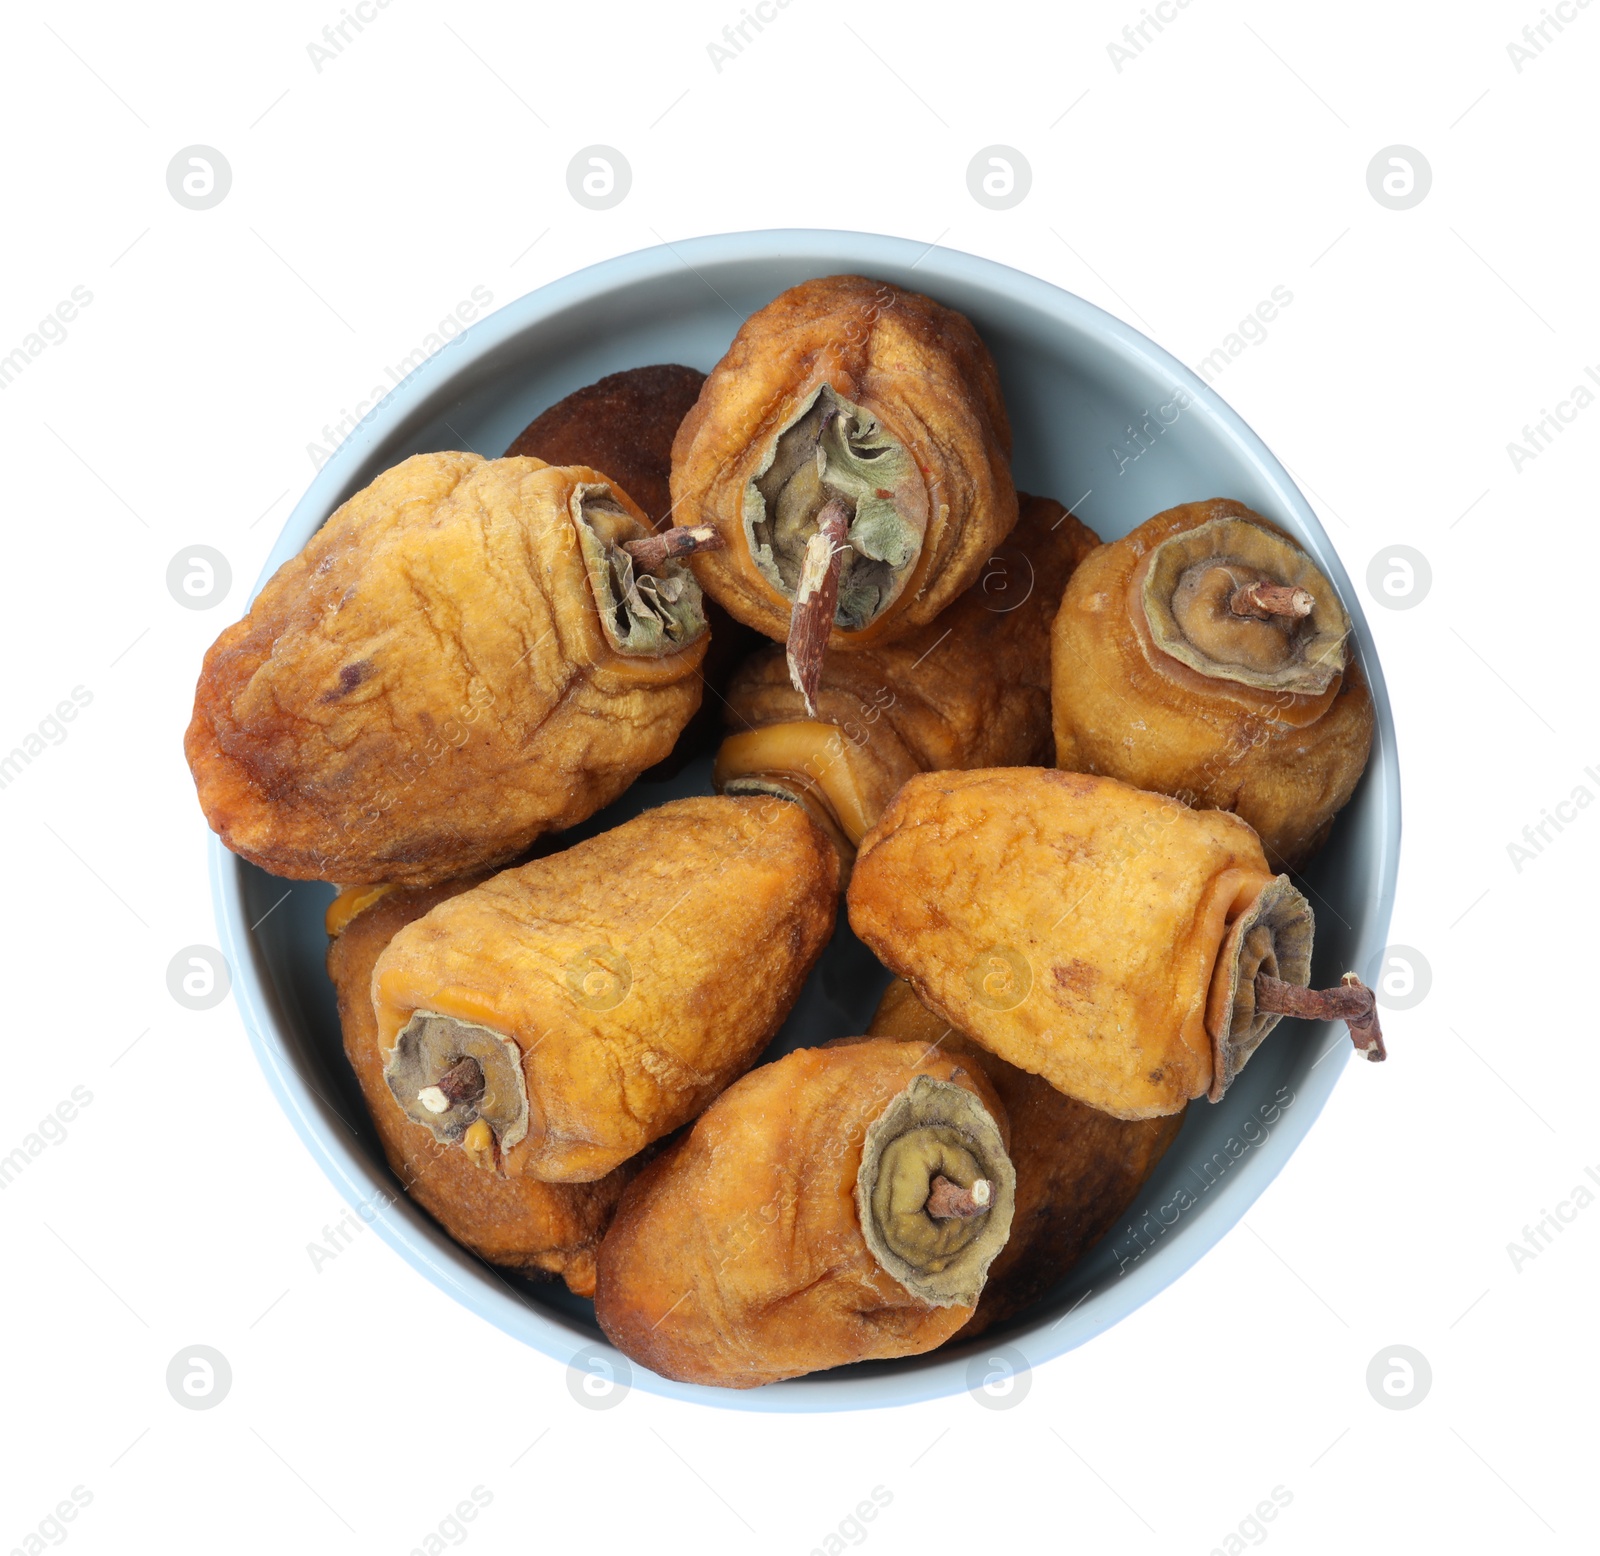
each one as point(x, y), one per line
point(1206, 656)
point(841, 1204)
point(463, 658)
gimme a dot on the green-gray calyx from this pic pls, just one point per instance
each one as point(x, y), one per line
point(640, 613)
point(1192, 576)
point(1273, 936)
point(835, 449)
point(934, 1129)
point(428, 1048)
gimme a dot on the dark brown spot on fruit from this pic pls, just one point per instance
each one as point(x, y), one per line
point(350, 677)
point(1078, 977)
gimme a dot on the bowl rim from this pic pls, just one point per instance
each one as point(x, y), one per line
point(370, 1189)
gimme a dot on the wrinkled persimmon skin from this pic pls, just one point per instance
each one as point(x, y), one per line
point(1078, 1169)
point(639, 972)
point(737, 1257)
point(519, 1223)
point(918, 367)
point(1068, 923)
point(970, 689)
point(622, 424)
point(1285, 762)
point(426, 688)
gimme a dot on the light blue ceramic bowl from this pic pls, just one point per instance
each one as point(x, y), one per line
point(1086, 394)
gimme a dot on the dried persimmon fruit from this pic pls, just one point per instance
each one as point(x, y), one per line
point(561, 1016)
point(841, 1204)
point(852, 450)
point(1077, 1168)
point(969, 689)
point(1133, 952)
point(622, 424)
point(464, 657)
point(1206, 656)
point(519, 1223)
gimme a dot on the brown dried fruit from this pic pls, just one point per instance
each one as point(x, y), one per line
point(1102, 937)
point(1205, 656)
point(635, 975)
point(970, 689)
point(624, 425)
point(739, 1258)
point(462, 658)
point(852, 389)
point(1077, 1169)
point(516, 1222)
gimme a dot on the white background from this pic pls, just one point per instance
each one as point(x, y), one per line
point(428, 157)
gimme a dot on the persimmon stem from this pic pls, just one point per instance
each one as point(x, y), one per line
point(685, 540)
point(1263, 599)
point(1352, 1002)
point(948, 1200)
point(462, 1082)
point(816, 598)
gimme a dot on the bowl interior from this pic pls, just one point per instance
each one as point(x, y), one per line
point(1104, 421)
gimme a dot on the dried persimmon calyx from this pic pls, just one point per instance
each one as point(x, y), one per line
point(462, 1081)
point(1239, 602)
point(833, 449)
point(1260, 977)
point(1272, 937)
point(641, 612)
point(935, 1192)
